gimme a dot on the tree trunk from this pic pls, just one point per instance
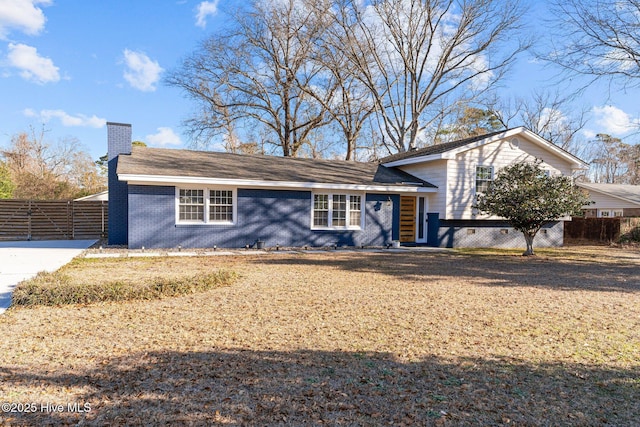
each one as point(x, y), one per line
point(529, 239)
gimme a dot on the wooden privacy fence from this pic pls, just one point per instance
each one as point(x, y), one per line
point(52, 220)
point(602, 229)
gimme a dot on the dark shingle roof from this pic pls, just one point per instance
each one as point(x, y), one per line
point(437, 149)
point(210, 164)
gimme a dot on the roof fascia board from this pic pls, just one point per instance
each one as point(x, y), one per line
point(577, 164)
point(135, 179)
point(506, 134)
point(450, 154)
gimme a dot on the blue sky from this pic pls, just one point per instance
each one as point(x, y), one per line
point(76, 64)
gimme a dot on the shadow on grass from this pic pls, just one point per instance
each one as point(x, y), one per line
point(506, 271)
point(314, 387)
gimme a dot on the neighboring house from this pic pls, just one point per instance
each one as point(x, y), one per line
point(170, 198)
point(102, 196)
point(612, 200)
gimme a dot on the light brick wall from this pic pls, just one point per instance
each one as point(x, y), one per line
point(497, 234)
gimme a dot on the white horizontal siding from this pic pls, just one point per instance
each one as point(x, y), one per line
point(461, 171)
point(434, 172)
point(603, 201)
point(550, 161)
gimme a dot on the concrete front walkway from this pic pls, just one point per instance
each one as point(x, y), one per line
point(23, 260)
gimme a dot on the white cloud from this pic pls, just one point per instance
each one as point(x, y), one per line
point(32, 66)
point(22, 15)
point(165, 136)
point(614, 121)
point(79, 120)
point(142, 72)
point(206, 8)
point(28, 112)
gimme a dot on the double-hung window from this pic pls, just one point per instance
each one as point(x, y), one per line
point(206, 206)
point(221, 206)
point(320, 210)
point(191, 205)
point(339, 214)
point(355, 211)
point(484, 176)
point(337, 211)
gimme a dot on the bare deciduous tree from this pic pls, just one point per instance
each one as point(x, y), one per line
point(598, 38)
point(293, 66)
point(417, 57)
point(257, 72)
point(39, 170)
point(351, 104)
point(547, 114)
point(614, 162)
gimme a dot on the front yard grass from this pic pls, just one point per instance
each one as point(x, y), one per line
point(340, 338)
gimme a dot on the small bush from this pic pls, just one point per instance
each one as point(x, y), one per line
point(58, 289)
point(631, 235)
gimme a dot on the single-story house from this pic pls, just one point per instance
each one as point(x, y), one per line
point(612, 200)
point(162, 198)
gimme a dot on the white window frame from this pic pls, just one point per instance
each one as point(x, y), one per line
point(347, 225)
point(207, 206)
point(475, 177)
point(203, 205)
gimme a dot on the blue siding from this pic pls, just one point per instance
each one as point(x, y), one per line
point(277, 217)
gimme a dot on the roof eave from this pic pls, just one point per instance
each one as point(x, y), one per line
point(576, 163)
point(139, 179)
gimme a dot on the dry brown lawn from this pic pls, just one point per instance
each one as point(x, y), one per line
point(341, 338)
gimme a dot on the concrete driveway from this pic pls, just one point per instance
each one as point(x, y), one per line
point(23, 260)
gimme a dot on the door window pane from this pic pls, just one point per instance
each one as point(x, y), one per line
point(421, 217)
